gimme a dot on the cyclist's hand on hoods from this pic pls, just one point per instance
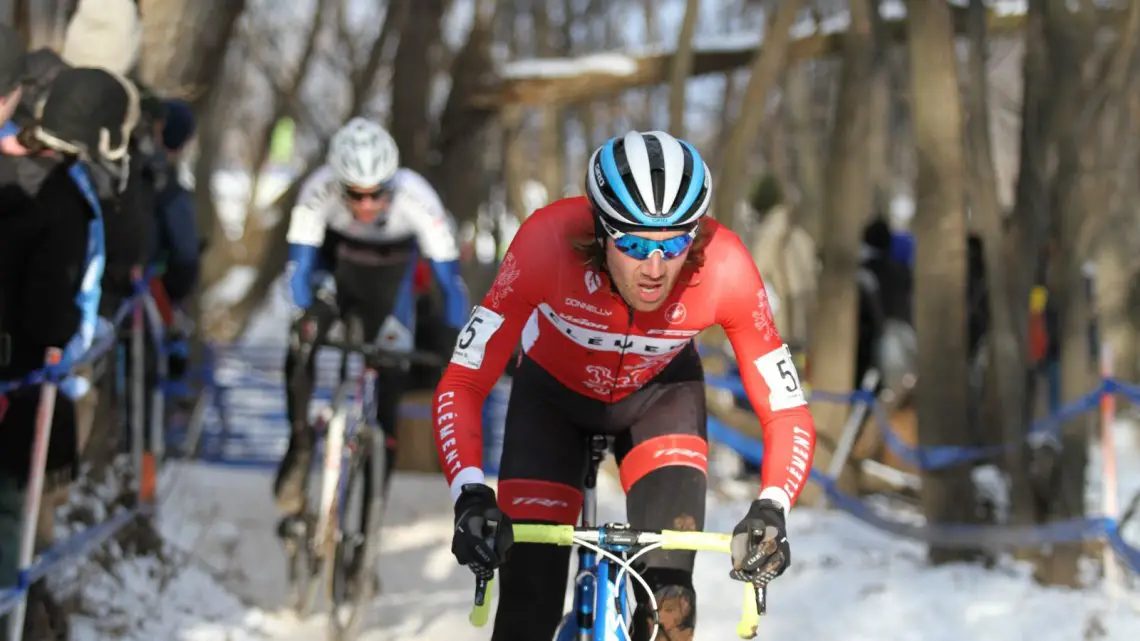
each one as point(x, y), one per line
point(483, 535)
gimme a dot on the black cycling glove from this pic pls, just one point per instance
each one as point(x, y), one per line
point(483, 536)
point(759, 544)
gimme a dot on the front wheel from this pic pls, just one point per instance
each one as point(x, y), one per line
point(352, 581)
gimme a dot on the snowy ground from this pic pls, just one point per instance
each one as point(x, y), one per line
point(848, 582)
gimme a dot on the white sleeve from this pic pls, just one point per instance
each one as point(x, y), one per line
point(310, 215)
point(434, 227)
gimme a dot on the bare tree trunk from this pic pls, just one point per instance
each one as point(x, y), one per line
point(646, 115)
point(1067, 45)
point(766, 68)
point(1115, 269)
point(1117, 263)
point(682, 66)
point(940, 270)
point(22, 20)
point(285, 96)
point(1007, 356)
point(1078, 192)
point(1026, 233)
point(808, 159)
point(184, 44)
point(461, 174)
point(41, 23)
point(1116, 168)
point(514, 162)
point(412, 79)
point(197, 77)
point(724, 118)
point(846, 205)
point(879, 140)
point(552, 163)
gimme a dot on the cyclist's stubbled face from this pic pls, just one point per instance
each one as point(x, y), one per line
point(367, 203)
point(645, 284)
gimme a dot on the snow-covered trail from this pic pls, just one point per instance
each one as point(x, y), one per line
point(225, 516)
point(847, 582)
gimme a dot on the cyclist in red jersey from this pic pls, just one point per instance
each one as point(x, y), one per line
point(606, 293)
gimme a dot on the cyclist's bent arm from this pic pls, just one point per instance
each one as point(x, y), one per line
point(769, 376)
point(485, 345)
point(456, 303)
point(306, 234)
point(435, 234)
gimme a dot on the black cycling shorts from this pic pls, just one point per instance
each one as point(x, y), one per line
point(545, 448)
point(662, 458)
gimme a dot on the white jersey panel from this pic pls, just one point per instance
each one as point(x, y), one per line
point(310, 215)
point(417, 201)
point(416, 212)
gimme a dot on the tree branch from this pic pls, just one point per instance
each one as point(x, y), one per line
point(551, 81)
point(345, 36)
point(364, 77)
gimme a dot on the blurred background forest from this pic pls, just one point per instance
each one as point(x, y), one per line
point(1002, 136)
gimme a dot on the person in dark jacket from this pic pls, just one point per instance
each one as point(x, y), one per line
point(174, 244)
point(175, 241)
point(105, 34)
point(50, 266)
point(13, 70)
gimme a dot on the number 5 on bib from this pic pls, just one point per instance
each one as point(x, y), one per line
point(779, 373)
point(473, 338)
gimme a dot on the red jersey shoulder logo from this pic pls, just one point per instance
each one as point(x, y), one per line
point(504, 283)
point(593, 281)
point(762, 317)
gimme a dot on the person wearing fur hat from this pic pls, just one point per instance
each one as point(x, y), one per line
point(51, 259)
point(105, 34)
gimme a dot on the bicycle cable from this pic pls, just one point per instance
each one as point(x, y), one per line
point(653, 601)
point(627, 567)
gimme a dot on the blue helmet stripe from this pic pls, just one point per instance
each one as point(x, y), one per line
point(695, 184)
point(617, 185)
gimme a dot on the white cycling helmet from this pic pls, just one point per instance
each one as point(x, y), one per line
point(648, 180)
point(363, 153)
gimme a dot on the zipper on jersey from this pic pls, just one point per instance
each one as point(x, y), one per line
point(624, 344)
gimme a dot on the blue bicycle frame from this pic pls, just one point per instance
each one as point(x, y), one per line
point(596, 609)
point(598, 599)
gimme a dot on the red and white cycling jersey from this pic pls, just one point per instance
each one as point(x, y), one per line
point(577, 327)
